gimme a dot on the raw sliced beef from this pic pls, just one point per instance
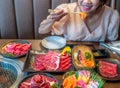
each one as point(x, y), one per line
point(51, 61)
point(108, 69)
point(38, 63)
point(16, 48)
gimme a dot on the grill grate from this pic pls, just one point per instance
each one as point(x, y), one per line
point(8, 75)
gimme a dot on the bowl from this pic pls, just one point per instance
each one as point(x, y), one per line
point(39, 79)
point(15, 49)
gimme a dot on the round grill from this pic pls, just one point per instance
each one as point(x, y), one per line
point(10, 73)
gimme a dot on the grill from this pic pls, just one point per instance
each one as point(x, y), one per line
point(7, 75)
point(10, 73)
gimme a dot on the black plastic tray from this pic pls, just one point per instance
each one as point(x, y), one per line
point(89, 45)
point(100, 53)
point(30, 57)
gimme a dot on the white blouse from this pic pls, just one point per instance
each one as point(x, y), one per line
point(100, 27)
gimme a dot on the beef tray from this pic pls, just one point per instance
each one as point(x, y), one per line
point(48, 61)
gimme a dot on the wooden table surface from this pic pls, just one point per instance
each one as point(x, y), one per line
point(36, 45)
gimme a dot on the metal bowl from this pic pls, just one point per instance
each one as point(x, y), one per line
point(10, 73)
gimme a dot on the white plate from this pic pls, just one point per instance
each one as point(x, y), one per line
point(54, 42)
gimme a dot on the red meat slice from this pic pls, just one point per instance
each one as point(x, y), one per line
point(108, 69)
point(65, 62)
point(80, 56)
point(38, 63)
point(26, 84)
point(51, 61)
point(26, 47)
point(46, 85)
point(17, 52)
point(18, 47)
point(36, 81)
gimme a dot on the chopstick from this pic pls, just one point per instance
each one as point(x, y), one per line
point(50, 10)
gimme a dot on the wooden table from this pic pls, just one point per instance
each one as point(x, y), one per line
point(36, 45)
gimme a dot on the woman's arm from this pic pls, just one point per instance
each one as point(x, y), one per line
point(54, 16)
point(46, 25)
point(55, 20)
point(114, 26)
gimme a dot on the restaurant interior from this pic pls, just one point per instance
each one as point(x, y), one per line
point(45, 61)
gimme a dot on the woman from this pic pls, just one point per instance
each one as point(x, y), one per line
point(96, 22)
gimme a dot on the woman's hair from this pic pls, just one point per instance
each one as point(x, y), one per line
point(103, 2)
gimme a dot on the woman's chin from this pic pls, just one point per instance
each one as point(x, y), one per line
point(86, 9)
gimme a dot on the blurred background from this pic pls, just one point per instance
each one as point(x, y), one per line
point(21, 18)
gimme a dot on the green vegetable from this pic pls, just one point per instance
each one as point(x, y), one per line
point(94, 76)
point(67, 50)
point(97, 65)
point(88, 55)
point(77, 87)
point(77, 74)
point(69, 53)
point(10, 54)
point(55, 85)
point(69, 74)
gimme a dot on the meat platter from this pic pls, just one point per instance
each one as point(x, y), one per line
point(39, 80)
point(48, 61)
point(82, 79)
point(82, 57)
point(15, 49)
point(109, 69)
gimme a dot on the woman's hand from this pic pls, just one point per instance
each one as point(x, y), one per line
point(56, 15)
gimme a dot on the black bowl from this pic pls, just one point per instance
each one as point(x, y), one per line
point(11, 56)
point(114, 61)
point(45, 74)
